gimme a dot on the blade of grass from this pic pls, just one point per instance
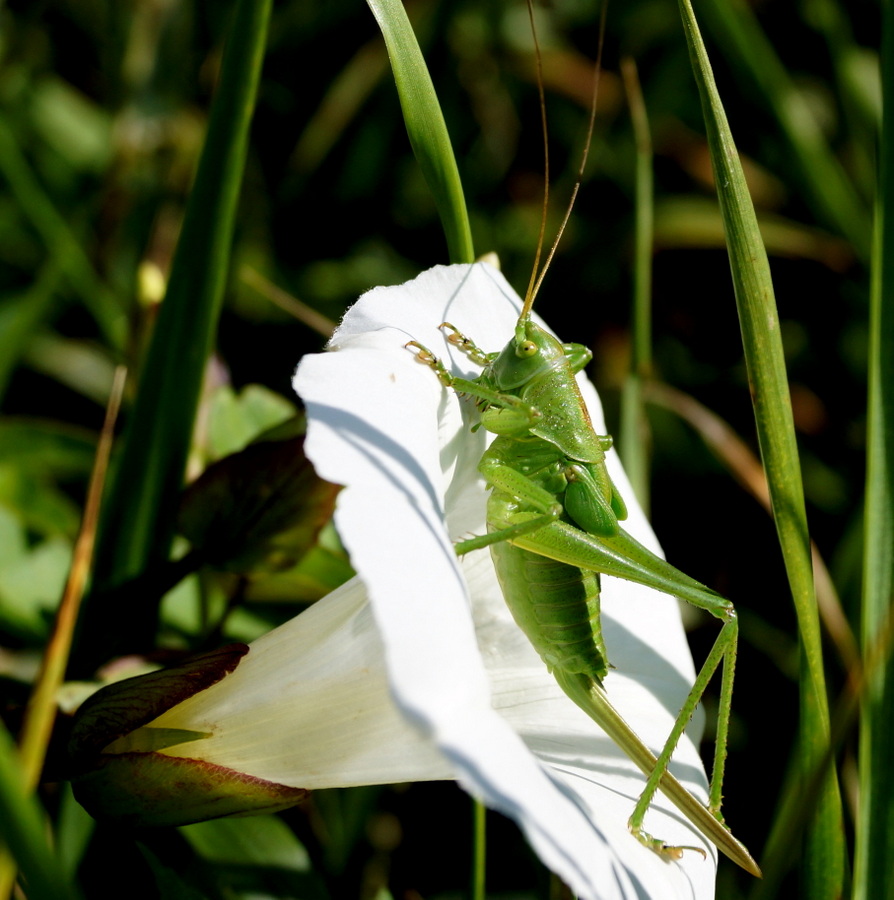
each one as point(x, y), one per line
point(138, 521)
point(62, 244)
point(824, 181)
point(634, 444)
point(40, 713)
point(425, 126)
point(875, 824)
point(824, 860)
point(23, 315)
point(24, 830)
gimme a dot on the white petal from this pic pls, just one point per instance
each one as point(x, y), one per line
point(309, 707)
point(383, 426)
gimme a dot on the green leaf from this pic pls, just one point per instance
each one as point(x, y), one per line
point(78, 129)
point(24, 831)
point(30, 588)
point(79, 365)
point(138, 521)
point(43, 507)
point(260, 857)
point(875, 823)
point(74, 829)
point(258, 510)
point(236, 419)
point(320, 571)
point(635, 437)
point(825, 852)
point(425, 125)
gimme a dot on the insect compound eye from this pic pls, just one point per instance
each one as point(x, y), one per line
point(526, 349)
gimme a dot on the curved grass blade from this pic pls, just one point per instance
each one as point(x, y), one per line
point(824, 852)
point(138, 521)
point(425, 125)
point(875, 826)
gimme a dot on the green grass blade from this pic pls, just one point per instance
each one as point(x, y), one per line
point(824, 856)
point(61, 242)
point(634, 443)
point(425, 126)
point(22, 316)
point(825, 183)
point(875, 825)
point(24, 831)
point(139, 516)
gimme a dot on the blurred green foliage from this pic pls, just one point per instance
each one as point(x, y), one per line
point(103, 108)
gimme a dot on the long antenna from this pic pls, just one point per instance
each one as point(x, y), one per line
point(537, 277)
point(538, 57)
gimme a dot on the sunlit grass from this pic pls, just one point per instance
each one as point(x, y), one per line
point(104, 115)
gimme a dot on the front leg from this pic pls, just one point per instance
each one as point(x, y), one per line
point(467, 345)
point(503, 414)
point(516, 488)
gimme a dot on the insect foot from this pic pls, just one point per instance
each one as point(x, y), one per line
point(668, 851)
point(465, 344)
point(426, 357)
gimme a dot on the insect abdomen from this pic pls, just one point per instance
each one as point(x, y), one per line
point(557, 607)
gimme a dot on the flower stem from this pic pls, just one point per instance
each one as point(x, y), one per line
point(479, 852)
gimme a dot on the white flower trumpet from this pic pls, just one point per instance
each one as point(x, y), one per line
point(415, 670)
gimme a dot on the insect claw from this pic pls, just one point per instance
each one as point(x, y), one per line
point(426, 357)
point(465, 344)
point(455, 337)
point(667, 851)
point(423, 354)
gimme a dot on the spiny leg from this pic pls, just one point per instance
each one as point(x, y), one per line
point(426, 357)
point(544, 508)
point(501, 413)
point(723, 652)
point(623, 556)
point(466, 345)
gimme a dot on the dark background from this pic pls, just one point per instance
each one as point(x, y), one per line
point(108, 104)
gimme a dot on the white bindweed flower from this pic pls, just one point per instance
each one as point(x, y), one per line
point(415, 670)
point(459, 669)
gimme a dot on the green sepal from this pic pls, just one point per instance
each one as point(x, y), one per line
point(151, 789)
point(119, 709)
